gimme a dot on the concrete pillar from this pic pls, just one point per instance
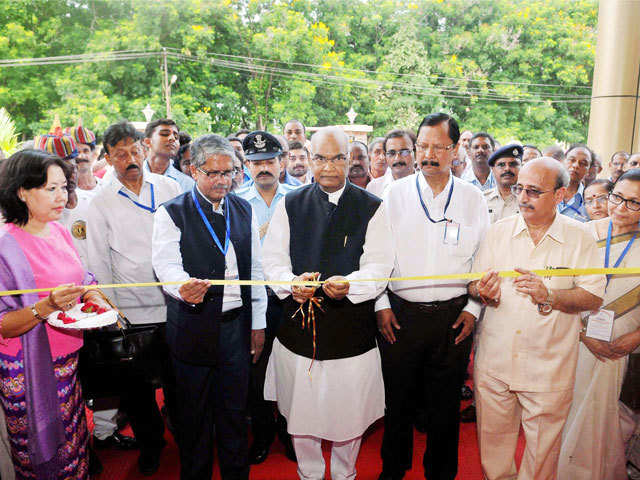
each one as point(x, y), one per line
point(614, 121)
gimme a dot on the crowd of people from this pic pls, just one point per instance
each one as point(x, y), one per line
point(343, 334)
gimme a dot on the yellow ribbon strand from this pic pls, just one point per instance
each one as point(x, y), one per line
point(553, 272)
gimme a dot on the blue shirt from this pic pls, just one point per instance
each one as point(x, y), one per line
point(470, 177)
point(263, 212)
point(575, 208)
point(186, 183)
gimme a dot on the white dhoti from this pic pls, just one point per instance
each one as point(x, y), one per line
point(337, 400)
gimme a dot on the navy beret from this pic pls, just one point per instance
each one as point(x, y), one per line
point(512, 150)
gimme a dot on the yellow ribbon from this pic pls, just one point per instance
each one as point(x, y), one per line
point(553, 272)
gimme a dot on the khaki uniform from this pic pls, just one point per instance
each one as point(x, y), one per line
point(498, 207)
point(525, 362)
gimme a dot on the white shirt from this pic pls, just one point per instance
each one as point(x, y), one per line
point(375, 261)
point(75, 220)
point(378, 185)
point(167, 263)
point(119, 245)
point(418, 244)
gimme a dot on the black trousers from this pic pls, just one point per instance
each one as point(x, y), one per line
point(263, 420)
point(211, 402)
point(139, 398)
point(425, 358)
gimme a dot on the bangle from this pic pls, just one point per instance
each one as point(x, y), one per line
point(36, 314)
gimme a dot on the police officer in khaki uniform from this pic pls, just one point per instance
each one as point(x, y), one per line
point(505, 164)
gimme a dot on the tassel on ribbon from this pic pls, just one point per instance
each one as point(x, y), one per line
point(309, 320)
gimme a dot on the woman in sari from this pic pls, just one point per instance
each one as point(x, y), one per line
point(39, 388)
point(593, 438)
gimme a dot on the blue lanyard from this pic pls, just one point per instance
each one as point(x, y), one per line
point(608, 249)
point(426, 210)
point(210, 228)
point(151, 209)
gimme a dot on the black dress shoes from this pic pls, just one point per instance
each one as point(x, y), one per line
point(258, 452)
point(468, 415)
point(117, 440)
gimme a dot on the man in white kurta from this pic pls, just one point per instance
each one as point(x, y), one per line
point(327, 377)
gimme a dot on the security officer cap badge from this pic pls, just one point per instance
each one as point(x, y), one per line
point(260, 145)
point(512, 150)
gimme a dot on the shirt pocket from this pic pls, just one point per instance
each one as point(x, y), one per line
point(467, 243)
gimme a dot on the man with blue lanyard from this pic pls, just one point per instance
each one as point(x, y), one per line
point(262, 151)
point(213, 331)
point(119, 229)
point(437, 222)
point(162, 140)
point(577, 162)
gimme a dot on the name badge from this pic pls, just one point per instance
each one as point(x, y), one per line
point(451, 233)
point(600, 325)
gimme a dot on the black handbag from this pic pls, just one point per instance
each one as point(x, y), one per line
point(116, 355)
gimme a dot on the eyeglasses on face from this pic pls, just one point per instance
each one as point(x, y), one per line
point(437, 149)
point(531, 192)
point(340, 159)
point(632, 205)
point(211, 174)
point(404, 153)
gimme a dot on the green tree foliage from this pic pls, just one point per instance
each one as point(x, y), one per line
point(515, 68)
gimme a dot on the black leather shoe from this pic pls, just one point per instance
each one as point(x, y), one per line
point(258, 452)
point(468, 415)
point(149, 461)
point(117, 440)
point(467, 393)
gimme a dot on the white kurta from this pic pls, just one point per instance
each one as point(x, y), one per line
point(337, 399)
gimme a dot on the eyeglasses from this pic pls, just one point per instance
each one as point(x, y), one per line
point(437, 149)
point(405, 152)
point(337, 160)
point(632, 205)
point(226, 174)
point(531, 192)
point(601, 200)
point(503, 165)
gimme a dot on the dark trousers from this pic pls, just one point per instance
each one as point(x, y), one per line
point(211, 402)
point(263, 420)
point(424, 357)
point(139, 399)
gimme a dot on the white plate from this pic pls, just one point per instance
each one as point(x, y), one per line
point(83, 320)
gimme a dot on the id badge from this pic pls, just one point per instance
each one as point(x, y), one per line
point(451, 233)
point(600, 325)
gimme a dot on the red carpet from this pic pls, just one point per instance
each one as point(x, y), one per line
point(122, 465)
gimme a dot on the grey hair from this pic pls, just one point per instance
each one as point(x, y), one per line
point(211, 144)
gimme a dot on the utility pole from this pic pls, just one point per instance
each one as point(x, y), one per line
point(165, 83)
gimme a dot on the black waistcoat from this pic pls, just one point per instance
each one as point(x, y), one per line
point(332, 245)
point(192, 331)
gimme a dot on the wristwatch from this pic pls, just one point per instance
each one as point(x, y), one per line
point(545, 308)
point(37, 315)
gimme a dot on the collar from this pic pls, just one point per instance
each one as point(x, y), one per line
point(554, 231)
point(116, 185)
point(220, 208)
point(577, 198)
point(426, 188)
point(252, 191)
point(334, 197)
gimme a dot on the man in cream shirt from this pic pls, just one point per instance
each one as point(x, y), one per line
point(528, 339)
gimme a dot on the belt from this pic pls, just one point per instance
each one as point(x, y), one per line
point(432, 306)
